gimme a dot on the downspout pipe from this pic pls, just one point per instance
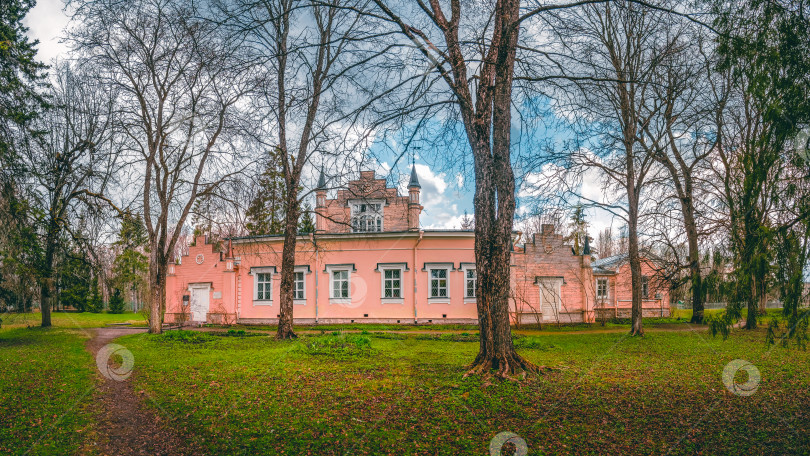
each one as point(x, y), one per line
point(415, 274)
point(315, 245)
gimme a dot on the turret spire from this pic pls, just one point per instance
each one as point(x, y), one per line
point(414, 180)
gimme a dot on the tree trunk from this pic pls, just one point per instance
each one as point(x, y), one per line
point(158, 267)
point(694, 264)
point(47, 290)
point(637, 328)
point(285, 320)
point(495, 208)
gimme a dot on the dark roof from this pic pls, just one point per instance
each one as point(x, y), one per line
point(414, 180)
point(610, 261)
point(609, 265)
point(321, 181)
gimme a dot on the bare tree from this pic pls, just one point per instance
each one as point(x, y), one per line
point(181, 80)
point(315, 53)
point(480, 79)
point(610, 51)
point(70, 164)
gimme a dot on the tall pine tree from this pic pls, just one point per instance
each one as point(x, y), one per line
point(265, 214)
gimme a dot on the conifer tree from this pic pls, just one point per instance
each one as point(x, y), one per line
point(266, 211)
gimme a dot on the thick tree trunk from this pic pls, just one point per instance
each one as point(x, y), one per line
point(694, 264)
point(47, 289)
point(285, 320)
point(751, 317)
point(637, 328)
point(158, 267)
point(495, 208)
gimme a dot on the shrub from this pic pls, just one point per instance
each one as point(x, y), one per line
point(94, 302)
point(116, 302)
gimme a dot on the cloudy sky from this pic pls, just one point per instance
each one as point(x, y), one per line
point(445, 196)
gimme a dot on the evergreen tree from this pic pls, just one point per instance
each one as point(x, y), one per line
point(306, 225)
point(74, 283)
point(265, 214)
point(21, 76)
point(131, 264)
point(578, 227)
point(116, 302)
point(94, 302)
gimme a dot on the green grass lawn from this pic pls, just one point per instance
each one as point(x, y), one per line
point(74, 320)
point(394, 394)
point(46, 388)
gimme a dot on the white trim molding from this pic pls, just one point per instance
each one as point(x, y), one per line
point(255, 271)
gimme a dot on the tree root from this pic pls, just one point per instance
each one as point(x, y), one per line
point(286, 335)
point(507, 366)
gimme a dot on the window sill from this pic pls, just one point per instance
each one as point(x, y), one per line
point(439, 300)
point(343, 301)
point(470, 300)
point(392, 301)
point(263, 303)
point(300, 302)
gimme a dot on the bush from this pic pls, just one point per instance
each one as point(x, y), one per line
point(116, 302)
point(94, 302)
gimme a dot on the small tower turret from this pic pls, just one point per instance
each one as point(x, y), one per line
point(320, 203)
point(414, 206)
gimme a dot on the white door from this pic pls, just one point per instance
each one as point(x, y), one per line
point(199, 302)
point(550, 298)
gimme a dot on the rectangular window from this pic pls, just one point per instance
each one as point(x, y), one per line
point(438, 283)
point(298, 288)
point(264, 282)
point(470, 278)
point(601, 288)
point(392, 283)
point(645, 287)
point(340, 284)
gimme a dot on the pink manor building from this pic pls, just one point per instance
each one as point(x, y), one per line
point(369, 262)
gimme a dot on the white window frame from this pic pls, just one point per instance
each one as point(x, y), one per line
point(438, 267)
point(606, 296)
point(304, 271)
point(255, 273)
point(402, 268)
point(333, 268)
point(464, 268)
point(354, 209)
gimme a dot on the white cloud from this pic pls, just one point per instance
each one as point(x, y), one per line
point(441, 208)
point(46, 23)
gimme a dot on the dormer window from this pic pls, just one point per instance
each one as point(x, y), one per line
point(367, 216)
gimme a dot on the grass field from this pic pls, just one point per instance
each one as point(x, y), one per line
point(46, 389)
point(372, 391)
point(384, 394)
point(74, 320)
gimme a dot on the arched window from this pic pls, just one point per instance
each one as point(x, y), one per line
point(367, 217)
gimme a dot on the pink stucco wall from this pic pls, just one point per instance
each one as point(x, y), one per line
point(409, 250)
